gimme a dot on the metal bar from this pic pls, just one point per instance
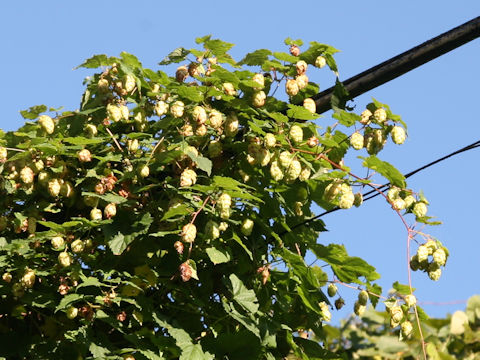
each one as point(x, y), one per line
point(403, 63)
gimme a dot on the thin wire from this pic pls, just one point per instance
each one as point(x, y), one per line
point(374, 193)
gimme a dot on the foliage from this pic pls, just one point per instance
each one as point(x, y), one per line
point(170, 219)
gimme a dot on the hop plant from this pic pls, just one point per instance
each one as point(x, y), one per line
point(259, 98)
point(359, 309)
point(247, 227)
point(363, 297)
point(320, 62)
point(285, 158)
point(3, 154)
point(260, 80)
point(439, 257)
point(27, 175)
point(356, 141)
point(161, 108)
point(231, 125)
point(65, 259)
point(129, 83)
point(301, 67)
point(28, 279)
point(96, 214)
point(212, 230)
point(293, 171)
point(188, 178)
point(304, 174)
point(380, 115)
point(177, 109)
point(302, 81)
point(46, 122)
point(84, 155)
point(310, 105)
point(358, 199)
point(365, 117)
point(410, 300)
point(57, 242)
point(189, 233)
point(398, 135)
point(291, 87)
point(406, 328)
point(296, 134)
point(326, 314)
point(276, 171)
point(110, 210)
point(114, 112)
point(54, 187)
point(420, 209)
point(332, 290)
point(269, 140)
point(215, 119)
point(77, 246)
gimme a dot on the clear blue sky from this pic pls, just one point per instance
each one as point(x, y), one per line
point(43, 41)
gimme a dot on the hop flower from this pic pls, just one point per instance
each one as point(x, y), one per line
point(363, 297)
point(129, 83)
point(422, 253)
point(260, 80)
point(144, 171)
point(296, 134)
point(291, 87)
point(95, 214)
point(263, 157)
point(189, 233)
point(57, 242)
point(7, 277)
point(275, 171)
point(398, 135)
point(65, 259)
point(439, 257)
point(259, 98)
point(310, 105)
point(346, 200)
point(229, 89)
point(91, 130)
point(77, 246)
point(294, 50)
point(84, 155)
point(356, 141)
point(380, 115)
point(132, 145)
point(212, 230)
point(293, 171)
point(297, 207)
point(302, 81)
point(231, 125)
point(46, 122)
point(186, 130)
point(406, 328)
point(332, 190)
point(399, 204)
point(327, 316)
point(199, 115)
point(247, 227)
point(365, 117)
point(339, 303)
point(312, 141)
point(161, 108)
point(110, 210)
point(72, 312)
point(177, 109)
point(27, 175)
point(178, 245)
point(304, 174)
point(193, 69)
point(216, 119)
point(285, 158)
point(186, 271)
point(28, 279)
point(54, 187)
point(201, 130)
point(301, 67)
point(188, 178)
point(224, 201)
point(420, 209)
point(359, 309)
point(3, 154)
point(410, 300)
point(320, 62)
point(269, 140)
point(103, 85)
point(332, 290)
point(396, 314)
point(358, 199)
point(181, 74)
point(434, 272)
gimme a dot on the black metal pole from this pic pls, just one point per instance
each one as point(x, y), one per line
point(403, 63)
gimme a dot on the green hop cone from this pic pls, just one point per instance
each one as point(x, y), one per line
point(114, 112)
point(406, 328)
point(396, 314)
point(332, 290)
point(276, 171)
point(439, 257)
point(420, 209)
point(434, 271)
point(212, 230)
point(398, 135)
point(293, 171)
point(358, 199)
point(422, 253)
point(320, 62)
point(269, 140)
point(247, 227)
point(346, 200)
point(359, 309)
point(327, 316)
point(410, 300)
point(363, 297)
point(189, 233)
point(296, 134)
point(380, 115)
point(357, 141)
point(47, 123)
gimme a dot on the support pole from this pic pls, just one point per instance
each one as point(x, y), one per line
point(403, 63)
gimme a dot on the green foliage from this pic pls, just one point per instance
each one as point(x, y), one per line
point(165, 219)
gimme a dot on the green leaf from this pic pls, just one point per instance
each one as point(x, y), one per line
point(257, 57)
point(300, 113)
point(125, 228)
point(203, 163)
point(98, 351)
point(217, 47)
point(67, 300)
point(402, 289)
point(175, 56)
point(192, 93)
point(179, 210)
point(282, 56)
point(109, 198)
point(346, 118)
point(130, 60)
point(218, 256)
point(33, 112)
point(290, 41)
point(79, 140)
point(244, 297)
point(385, 169)
point(97, 61)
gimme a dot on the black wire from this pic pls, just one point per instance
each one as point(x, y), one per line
point(375, 193)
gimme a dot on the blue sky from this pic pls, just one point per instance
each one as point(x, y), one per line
point(43, 41)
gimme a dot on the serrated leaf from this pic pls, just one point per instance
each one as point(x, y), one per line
point(386, 169)
point(203, 163)
point(176, 56)
point(217, 47)
point(300, 113)
point(67, 300)
point(346, 118)
point(33, 112)
point(179, 210)
point(97, 61)
point(130, 60)
point(257, 57)
point(290, 41)
point(125, 228)
point(79, 140)
point(110, 198)
point(218, 256)
point(282, 56)
point(243, 296)
point(402, 289)
point(98, 351)
point(192, 93)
